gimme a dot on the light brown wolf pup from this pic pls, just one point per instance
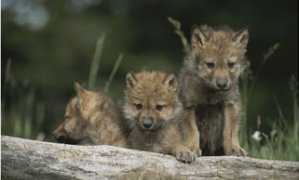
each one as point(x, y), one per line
point(157, 119)
point(209, 81)
point(91, 118)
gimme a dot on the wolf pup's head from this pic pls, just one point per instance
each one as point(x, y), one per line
point(151, 99)
point(218, 55)
point(77, 114)
point(70, 130)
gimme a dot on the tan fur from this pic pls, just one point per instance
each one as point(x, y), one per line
point(217, 56)
point(153, 96)
point(91, 118)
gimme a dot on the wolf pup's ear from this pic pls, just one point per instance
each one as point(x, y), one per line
point(78, 88)
point(131, 80)
point(171, 82)
point(198, 38)
point(241, 38)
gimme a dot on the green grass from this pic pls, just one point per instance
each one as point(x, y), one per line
point(23, 113)
point(282, 142)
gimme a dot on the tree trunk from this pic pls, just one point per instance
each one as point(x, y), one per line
point(28, 159)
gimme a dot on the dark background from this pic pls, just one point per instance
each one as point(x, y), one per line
point(50, 45)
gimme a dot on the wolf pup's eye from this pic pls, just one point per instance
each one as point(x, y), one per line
point(138, 106)
point(231, 64)
point(66, 117)
point(210, 65)
point(159, 107)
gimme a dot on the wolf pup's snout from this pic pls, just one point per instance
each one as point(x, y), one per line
point(222, 83)
point(147, 122)
point(61, 138)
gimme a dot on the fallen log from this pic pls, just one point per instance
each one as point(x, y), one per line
point(29, 159)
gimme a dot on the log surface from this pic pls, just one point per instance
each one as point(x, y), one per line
point(28, 159)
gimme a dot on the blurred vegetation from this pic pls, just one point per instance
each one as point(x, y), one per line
point(48, 45)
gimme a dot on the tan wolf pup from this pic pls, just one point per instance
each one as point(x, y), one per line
point(209, 81)
point(157, 118)
point(91, 118)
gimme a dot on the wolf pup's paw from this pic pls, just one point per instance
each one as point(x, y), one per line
point(185, 156)
point(242, 152)
point(198, 152)
point(238, 151)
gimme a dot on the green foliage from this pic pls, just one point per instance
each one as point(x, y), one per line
point(282, 141)
point(23, 114)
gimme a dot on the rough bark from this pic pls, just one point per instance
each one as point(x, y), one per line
point(28, 159)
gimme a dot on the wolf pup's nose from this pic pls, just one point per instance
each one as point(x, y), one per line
point(222, 83)
point(147, 122)
point(61, 139)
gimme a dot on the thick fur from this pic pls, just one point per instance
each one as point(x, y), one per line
point(92, 118)
point(154, 96)
point(217, 55)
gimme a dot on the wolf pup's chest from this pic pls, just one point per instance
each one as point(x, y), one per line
point(210, 121)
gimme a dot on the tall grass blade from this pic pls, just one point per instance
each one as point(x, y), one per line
point(266, 56)
point(281, 119)
point(177, 30)
point(113, 72)
point(96, 61)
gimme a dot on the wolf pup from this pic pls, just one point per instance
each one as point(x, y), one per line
point(209, 82)
point(91, 118)
point(157, 118)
